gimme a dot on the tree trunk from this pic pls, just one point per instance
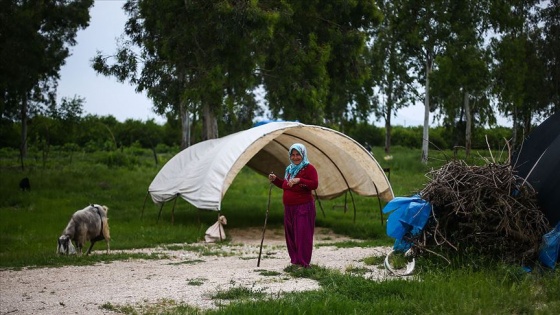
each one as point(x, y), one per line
point(388, 113)
point(515, 127)
point(209, 123)
point(23, 146)
point(468, 124)
point(185, 126)
point(426, 131)
point(388, 135)
point(527, 125)
point(154, 154)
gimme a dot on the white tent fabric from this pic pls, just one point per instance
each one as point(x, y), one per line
point(202, 173)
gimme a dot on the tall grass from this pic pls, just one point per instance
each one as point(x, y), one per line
point(32, 221)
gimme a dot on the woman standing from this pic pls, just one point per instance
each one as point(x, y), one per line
point(300, 179)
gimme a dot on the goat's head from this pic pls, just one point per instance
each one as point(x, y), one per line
point(65, 246)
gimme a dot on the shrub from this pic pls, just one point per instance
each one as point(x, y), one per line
point(117, 159)
point(410, 137)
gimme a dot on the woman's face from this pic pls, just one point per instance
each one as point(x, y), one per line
point(295, 157)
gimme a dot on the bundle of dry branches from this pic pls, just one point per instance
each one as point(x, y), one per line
point(486, 210)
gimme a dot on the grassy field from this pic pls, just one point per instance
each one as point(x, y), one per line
point(61, 184)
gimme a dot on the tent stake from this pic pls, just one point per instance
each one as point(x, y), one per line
point(264, 227)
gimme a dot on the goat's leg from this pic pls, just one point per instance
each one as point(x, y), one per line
point(90, 247)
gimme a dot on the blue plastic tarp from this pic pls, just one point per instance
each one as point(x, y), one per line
point(550, 248)
point(408, 215)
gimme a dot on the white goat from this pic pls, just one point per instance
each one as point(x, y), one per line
point(89, 224)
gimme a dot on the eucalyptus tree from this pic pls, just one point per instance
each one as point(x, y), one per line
point(543, 58)
point(461, 79)
point(511, 49)
point(549, 52)
point(390, 71)
point(315, 67)
point(424, 30)
point(193, 55)
point(460, 84)
point(35, 40)
point(538, 100)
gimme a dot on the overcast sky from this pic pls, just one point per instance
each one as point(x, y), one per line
point(105, 96)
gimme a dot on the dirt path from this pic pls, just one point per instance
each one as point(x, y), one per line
point(182, 276)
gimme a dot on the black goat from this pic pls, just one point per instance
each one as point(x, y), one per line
point(25, 184)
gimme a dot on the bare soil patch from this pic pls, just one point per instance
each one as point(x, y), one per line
point(182, 276)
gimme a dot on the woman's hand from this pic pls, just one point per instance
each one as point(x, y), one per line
point(293, 181)
point(271, 177)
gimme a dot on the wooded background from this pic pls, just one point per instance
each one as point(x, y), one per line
point(339, 64)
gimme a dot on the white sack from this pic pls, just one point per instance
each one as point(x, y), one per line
point(216, 232)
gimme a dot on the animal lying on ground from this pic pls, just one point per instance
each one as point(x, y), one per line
point(87, 225)
point(25, 184)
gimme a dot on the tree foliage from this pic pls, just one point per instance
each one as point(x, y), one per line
point(548, 51)
point(315, 67)
point(214, 67)
point(517, 63)
point(35, 37)
point(461, 80)
point(200, 55)
point(424, 29)
point(392, 84)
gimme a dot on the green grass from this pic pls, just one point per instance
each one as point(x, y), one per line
point(32, 221)
point(460, 291)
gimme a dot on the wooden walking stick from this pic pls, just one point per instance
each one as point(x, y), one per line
point(264, 227)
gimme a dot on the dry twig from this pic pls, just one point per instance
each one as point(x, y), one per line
point(483, 209)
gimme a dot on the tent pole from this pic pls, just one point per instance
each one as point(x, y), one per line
point(143, 206)
point(379, 200)
point(320, 205)
point(159, 215)
point(346, 202)
point(173, 210)
point(388, 171)
point(220, 226)
point(380, 210)
point(354, 204)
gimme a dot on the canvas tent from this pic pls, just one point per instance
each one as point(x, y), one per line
point(538, 161)
point(202, 173)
